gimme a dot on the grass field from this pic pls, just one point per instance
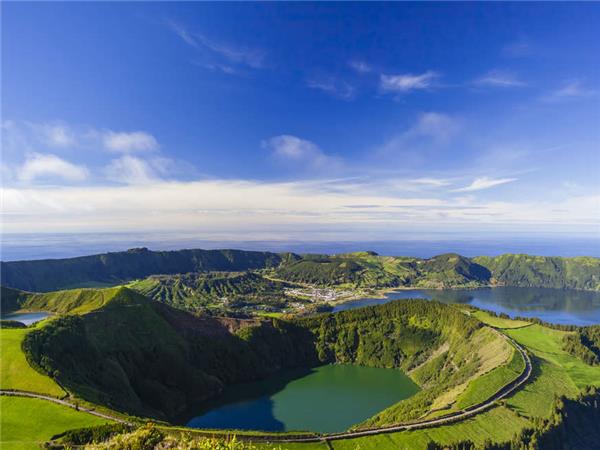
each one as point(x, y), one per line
point(74, 301)
point(546, 344)
point(499, 322)
point(24, 422)
point(487, 385)
point(555, 373)
point(15, 371)
point(501, 423)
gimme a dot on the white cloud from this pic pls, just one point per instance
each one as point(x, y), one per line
point(47, 166)
point(407, 82)
point(429, 128)
point(287, 148)
point(570, 90)
point(360, 66)
point(129, 141)
point(336, 88)
point(131, 170)
point(252, 58)
point(481, 183)
point(436, 182)
point(275, 209)
point(437, 125)
point(56, 134)
point(497, 78)
point(183, 33)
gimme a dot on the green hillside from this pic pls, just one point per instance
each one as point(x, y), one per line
point(585, 344)
point(543, 271)
point(146, 358)
point(74, 301)
point(218, 291)
point(27, 423)
point(367, 269)
point(360, 269)
point(118, 267)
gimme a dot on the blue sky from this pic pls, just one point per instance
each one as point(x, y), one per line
point(300, 120)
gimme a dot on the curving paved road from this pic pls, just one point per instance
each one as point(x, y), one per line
point(450, 418)
point(454, 417)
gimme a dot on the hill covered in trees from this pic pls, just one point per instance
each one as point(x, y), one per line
point(585, 344)
point(118, 267)
point(146, 358)
point(543, 271)
point(218, 292)
point(355, 270)
point(444, 271)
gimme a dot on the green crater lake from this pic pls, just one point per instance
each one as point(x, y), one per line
point(323, 399)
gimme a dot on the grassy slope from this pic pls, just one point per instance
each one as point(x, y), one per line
point(24, 422)
point(135, 377)
point(487, 385)
point(555, 373)
point(547, 344)
point(15, 371)
point(499, 322)
point(74, 301)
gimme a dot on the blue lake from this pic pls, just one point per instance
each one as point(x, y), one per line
point(328, 398)
point(26, 318)
point(560, 306)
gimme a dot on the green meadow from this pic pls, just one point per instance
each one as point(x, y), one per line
point(26, 423)
point(15, 371)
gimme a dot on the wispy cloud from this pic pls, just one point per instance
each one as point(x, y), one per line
point(292, 149)
point(217, 206)
point(131, 170)
point(31, 135)
point(481, 183)
point(216, 67)
point(402, 83)
point(55, 134)
point(239, 55)
point(497, 78)
point(48, 167)
point(518, 48)
point(437, 125)
point(134, 141)
point(337, 88)
point(360, 66)
point(570, 90)
point(430, 128)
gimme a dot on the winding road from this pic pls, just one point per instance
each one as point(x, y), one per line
point(450, 418)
